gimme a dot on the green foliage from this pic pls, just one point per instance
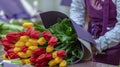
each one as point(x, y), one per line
point(9, 27)
point(39, 27)
point(67, 39)
point(16, 61)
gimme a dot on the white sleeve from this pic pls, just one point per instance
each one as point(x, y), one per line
point(112, 37)
point(77, 12)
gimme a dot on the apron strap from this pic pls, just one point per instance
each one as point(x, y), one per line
point(105, 16)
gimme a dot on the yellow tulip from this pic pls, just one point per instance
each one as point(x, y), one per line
point(63, 64)
point(58, 59)
point(28, 44)
point(19, 44)
point(52, 63)
point(22, 55)
point(28, 25)
point(23, 61)
point(16, 49)
point(4, 57)
point(41, 41)
point(24, 38)
point(33, 47)
point(29, 53)
point(33, 41)
point(49, 48)
point(27, 61)
point(54, 54)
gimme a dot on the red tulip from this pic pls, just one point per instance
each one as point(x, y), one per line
point(43, 64)
point(37, 52)
point(41, 58)
point(53, 41)
point(28, 31)
point(33, 33)
point(6, 42)
point(7, 48)
point(13, 55)
point(33, 59)
point(24, 48)
point(10, 50)
point(22, 33)
point(48, 56)
point(61, 53)
point(12, 37)
point(47, 35)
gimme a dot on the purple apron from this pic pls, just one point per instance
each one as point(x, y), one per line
point(100, 20)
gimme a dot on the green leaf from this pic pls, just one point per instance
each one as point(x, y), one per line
point(16, 61)
point(59, 20)
point(69, 31)
point(39, 27)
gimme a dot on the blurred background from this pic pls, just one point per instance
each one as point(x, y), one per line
point(48, 5)
point(29, 8)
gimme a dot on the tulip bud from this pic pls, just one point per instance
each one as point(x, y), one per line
point(47, 35)
point(58, 59)
point(49, 48)
point(28, 25)
point(4, 57)
point(54, 54)
point(16, 49)
point(48, 56)
point(37, 52)
point(19, 44)
point(28, 44)
point(41, 41)
point(33, 47)
point(61, 53)
point(52, 63)
point(27, 61)
point(63, 64)
point(29, 53)
point(53, 41)
point(33, 59)
point(24, 38)
point(22, 55)
point(33, 41)
point(41, 58)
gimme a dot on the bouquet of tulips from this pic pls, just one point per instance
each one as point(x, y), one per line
point(33, 47)
point(57, 45)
